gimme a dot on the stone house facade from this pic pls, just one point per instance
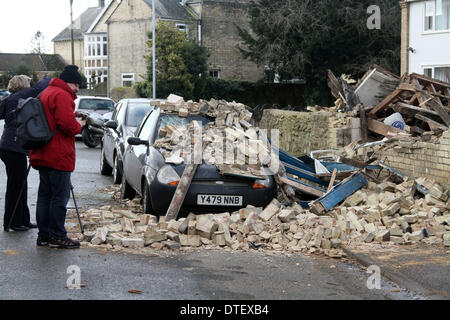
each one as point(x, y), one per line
point(110, 40)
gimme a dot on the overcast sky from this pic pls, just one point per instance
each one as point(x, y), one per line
point(21, 19)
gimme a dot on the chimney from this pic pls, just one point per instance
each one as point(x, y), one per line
point(101, 3)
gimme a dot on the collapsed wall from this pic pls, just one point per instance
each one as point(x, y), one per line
point(303, 132)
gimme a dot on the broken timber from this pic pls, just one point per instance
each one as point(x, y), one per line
point(302, 187)
point(185, 181)
point(338, 194)
point(382, 129)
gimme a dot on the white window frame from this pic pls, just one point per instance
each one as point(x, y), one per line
point(213, 71)
point(184, 27)
point(433, 69)
point(433, 27)
point(127, 77)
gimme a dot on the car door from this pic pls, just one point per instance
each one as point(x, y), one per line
point(110, 137)
point(135, 155)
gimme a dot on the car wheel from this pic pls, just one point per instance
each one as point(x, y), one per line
point(105, 168)
point(117, 171)
point(146, 203)
point(89, 140)
point(126, 191)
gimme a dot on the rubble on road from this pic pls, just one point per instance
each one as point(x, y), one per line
point(384, 214)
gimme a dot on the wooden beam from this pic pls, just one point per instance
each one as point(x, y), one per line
point(364, 129)
point(188, 175)
point(385, 103)
point(443, 113)
point(412, 110)
point(383, 129)
point(333, 177)
point(430, 80)
point(431, 123)
point(304, 188)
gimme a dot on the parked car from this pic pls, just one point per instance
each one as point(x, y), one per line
point(126, 118)
point(4, 94)
point(86, 105)
point(145, 172)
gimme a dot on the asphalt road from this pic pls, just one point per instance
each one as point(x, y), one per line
point(29, 272)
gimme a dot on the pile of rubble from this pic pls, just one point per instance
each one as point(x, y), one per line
point(229, 136)
point(387, 214)
point(389, 106)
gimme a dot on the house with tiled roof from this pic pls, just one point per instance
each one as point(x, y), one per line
point(210, 22)
point(40, 64)
point(63, 41)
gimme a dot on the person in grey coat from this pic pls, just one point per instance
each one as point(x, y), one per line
point(14, 156)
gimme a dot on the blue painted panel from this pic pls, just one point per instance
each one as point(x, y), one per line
point(343, 190)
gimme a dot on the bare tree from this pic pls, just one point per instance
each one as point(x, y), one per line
point(38, 43)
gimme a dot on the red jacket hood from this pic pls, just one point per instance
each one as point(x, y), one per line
point(57, 82)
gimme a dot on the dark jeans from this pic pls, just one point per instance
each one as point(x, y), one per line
point(53, 196)
point(16, 171)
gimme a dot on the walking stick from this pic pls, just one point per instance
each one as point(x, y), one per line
point(78, 214)
point(18, 199)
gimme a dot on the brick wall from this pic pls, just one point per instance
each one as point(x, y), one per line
point(422, 159)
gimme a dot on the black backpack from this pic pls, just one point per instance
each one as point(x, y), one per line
point(33, 131)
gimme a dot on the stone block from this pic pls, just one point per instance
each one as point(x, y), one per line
point(133, 242)
point(382, 235)
point(415, 236)
point(128, 225)
point(183, 227)
point(396, 232)
point(411, 218)
point(205, 227)
point(100, 236)
point(173, 236)
point(151, 236)
point(397, 240)
point(219, 238)
point(369, 237)
point(172, 245)
point(286, 215)
point(270, 210)
point(190, 241)
point(192, 228)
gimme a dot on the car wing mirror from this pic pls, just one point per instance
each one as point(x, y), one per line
point(111, 124)
point(136, 141)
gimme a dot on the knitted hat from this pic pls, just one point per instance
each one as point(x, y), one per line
point(70, 74)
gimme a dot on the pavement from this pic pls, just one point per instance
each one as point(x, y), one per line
point(417, 267)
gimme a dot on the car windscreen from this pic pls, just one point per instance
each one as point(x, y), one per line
point(178, 121)
point(136, 112)
point(96, 104)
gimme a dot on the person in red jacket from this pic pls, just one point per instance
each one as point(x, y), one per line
point(56, 160)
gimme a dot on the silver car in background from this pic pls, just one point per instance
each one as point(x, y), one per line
point(126, 118)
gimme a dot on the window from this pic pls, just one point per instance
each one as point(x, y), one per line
point(105, 49)
point(182, 27)
point(437, 15)
point(439, 73)
point(136, 111)
point(127, 79)
point(214, 74)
